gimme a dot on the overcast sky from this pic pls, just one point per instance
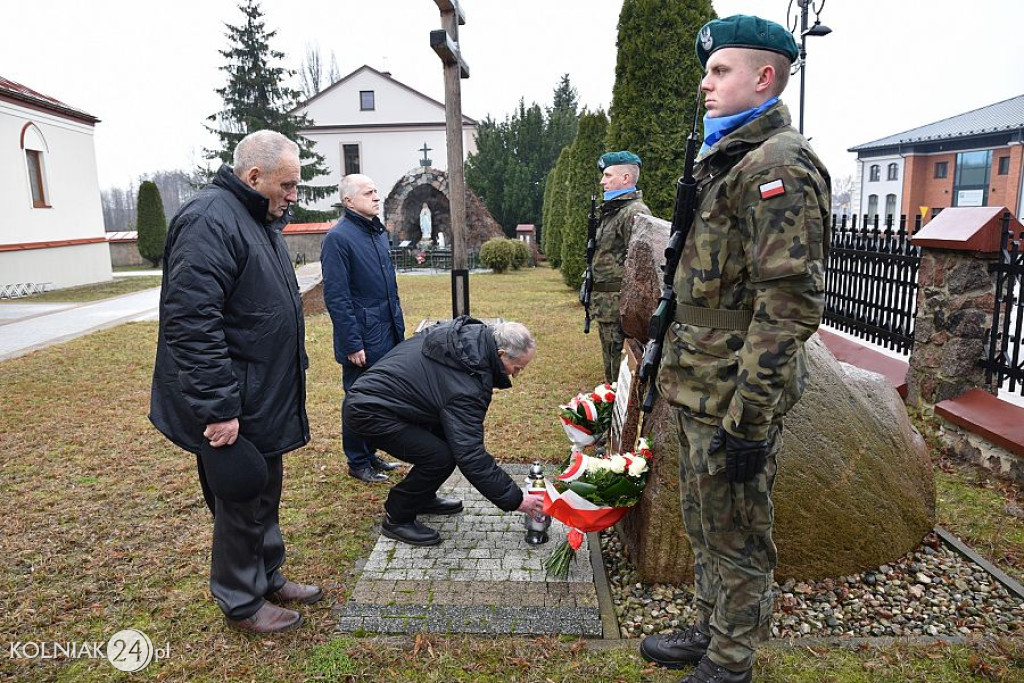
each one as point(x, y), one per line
point(148, 70)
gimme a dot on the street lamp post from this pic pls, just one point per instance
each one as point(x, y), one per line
point(818, 29)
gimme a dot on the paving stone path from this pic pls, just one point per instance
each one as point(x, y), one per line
point(482, 578)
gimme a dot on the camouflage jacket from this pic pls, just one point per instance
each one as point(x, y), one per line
point(758, 244)
point(610, 256)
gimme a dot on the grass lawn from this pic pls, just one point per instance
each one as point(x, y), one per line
point(95, 292)
point(106, 528)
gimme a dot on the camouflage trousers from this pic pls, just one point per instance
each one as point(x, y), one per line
point(730, 530)
point(612, 338)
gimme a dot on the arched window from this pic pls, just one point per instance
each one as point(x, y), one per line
point(876, 173)
point(34, 144)
point(893, 172)
point(890, 205)
point(872, 205)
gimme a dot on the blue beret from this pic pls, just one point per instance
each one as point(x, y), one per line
point(742, 30)
point(617, 158)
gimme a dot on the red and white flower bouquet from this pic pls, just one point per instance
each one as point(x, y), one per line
point(587, 417)
point(591, 494)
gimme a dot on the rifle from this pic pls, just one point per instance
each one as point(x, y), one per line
point(588, 275)
point(682, 220)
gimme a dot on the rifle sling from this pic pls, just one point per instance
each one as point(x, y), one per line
point(608, 286)
point(716, 318)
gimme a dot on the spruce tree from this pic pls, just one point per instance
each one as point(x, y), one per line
point(152, 223)
point(657, 75)
point(562, 120)
point(584, 178)
point(514, 157)
point(256, 98)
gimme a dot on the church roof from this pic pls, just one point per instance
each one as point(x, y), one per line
point(386, 75)
point(36, 100)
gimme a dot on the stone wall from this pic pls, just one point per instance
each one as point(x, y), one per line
point(126, 254)
point(956, 295)
point(307, 246)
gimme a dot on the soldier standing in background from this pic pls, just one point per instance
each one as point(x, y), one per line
point(750, 287)
point(620, 172)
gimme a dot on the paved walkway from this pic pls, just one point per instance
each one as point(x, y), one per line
point(482, 578)
point(27, 327)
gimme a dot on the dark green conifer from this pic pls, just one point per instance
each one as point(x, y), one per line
point(584, 181)
point(256, 98)
point(152, 223)
point(656, 79)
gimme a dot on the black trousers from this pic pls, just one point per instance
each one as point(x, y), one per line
point(357, 450)
point(432, 463)
point(248, 550)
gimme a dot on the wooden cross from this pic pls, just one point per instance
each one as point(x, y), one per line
point(446, 44)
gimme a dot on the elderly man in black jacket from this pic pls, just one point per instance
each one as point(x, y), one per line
point(230, 365)
point(425, 403)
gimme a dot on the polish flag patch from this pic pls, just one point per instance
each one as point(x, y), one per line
point(772, 189)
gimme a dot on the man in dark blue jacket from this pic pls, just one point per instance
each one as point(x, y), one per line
point(425, 403)
point(361, 293)
point(231, 363)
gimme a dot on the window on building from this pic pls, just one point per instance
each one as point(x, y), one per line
point(36, 179)
point(1004, 166)
point(872, 205)
point(893, 173)
point(970, 186)
point(941, 169)
point(890, 205)
point(351, 155)
point(366, 102)
point(876, 173)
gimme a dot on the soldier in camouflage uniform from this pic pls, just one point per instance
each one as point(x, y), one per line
point(750, 287)
point(622, 203)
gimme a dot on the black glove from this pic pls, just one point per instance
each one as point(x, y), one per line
point(744, 459)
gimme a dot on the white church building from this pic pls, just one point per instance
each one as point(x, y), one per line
point(370, 123)
point(51, 233)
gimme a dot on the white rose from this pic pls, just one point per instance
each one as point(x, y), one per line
point(638, 466)
point(617, 464)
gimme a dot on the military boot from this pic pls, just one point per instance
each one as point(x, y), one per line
point(709, 672)
point(679, 649)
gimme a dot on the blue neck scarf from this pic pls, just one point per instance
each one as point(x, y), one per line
point(718, 127)
point(612, 194)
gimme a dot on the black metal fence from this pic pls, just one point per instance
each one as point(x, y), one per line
point(1003, 339)
point(435, 259)
point(871, 280)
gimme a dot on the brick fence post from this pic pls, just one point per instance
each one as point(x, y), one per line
point(956, 298)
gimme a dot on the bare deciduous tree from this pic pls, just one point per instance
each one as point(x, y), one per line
point(313, 75)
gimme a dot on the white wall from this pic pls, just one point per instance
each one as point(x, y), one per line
point(64, 267)
point(390, 136)
point(394, 103)
point(72, 191)
point(883, 186)
point(386, 154)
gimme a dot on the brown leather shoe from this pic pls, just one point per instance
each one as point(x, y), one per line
point(267, 620)
point(297, 592)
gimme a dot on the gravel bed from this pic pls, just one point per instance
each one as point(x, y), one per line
point(931, 591)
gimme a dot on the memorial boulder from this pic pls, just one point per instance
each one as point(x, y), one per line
point(855, 487)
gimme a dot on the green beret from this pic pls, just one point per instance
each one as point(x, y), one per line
point(617, 158)
point(742, 30)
